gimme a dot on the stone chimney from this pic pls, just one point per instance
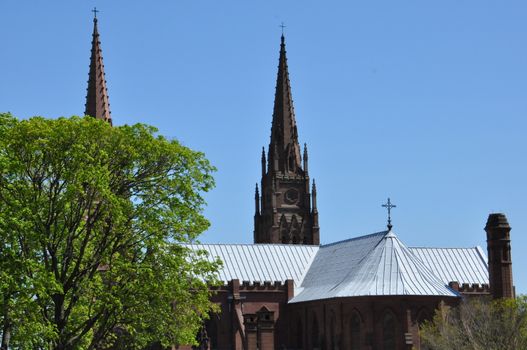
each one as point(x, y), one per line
point(499, 252)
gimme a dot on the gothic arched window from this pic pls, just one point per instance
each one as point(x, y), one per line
point(299, 335)
point(212, 332)
point(355, 332)
point(295, 230)
point(332, 332)
point(506, 253)
point(389, 339)
point(422, 316)
point(315, 336)
point(284, 230)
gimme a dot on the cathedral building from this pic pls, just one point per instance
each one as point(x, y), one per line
point(286, 291)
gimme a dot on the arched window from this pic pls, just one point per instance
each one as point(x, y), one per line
point(315, 335)
point(299, 335)
point(389, 340)
point(423, 316)
point(212, 332)
point(506, 253)
point(355, 332)
point(332, 333)
point(284, 230)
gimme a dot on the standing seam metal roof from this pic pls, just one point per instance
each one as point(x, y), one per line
point(463, 265)
point(383, 265)
point(375, 264)
point(261, 262)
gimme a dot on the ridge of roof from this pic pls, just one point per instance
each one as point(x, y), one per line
point(255, 244)
point(383, 233)
point(420, 247)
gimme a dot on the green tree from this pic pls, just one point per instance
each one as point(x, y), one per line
point(93, 221)
point(478, 324)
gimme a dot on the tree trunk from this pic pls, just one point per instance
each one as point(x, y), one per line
point(6, 335)
point(6, 327)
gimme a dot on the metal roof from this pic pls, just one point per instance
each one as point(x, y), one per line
point(261, 262)
point(377, 264)
point(463, 265)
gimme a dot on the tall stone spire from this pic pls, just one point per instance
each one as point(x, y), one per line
point(284, 135)
point(97, 102)
point(284, 214)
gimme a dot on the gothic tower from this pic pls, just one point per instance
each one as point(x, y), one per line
point(97, 102)
point(499, 252)
point(286, 212)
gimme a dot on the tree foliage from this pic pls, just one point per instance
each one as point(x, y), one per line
point(92, 221)
point(478, 324)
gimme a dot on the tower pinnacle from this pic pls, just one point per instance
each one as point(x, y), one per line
point(97, 102)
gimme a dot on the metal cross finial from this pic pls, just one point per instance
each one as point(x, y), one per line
point(95, 11)
point(282, 25)
point(389, 206)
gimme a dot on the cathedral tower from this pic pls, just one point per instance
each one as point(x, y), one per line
point(499, 252)
point(286, 212)
point(97, 102)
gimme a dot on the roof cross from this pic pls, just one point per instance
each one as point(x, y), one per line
point(282, 25)
point(389, 206)
point(95, 11)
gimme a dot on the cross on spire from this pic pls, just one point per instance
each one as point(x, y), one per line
point(282, 25)
point(389, 206)
point(95, 11)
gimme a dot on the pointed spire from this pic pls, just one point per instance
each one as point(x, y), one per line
point(263, 162)
point(257, 200)
point(305, 158)
point(314, 196)
point(284, 135)
point(97, 102)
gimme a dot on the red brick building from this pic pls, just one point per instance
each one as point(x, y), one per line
point(369, 292)
point(288, 292)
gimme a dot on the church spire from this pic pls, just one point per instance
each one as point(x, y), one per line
point(97, 102)
point(284, 135)
point(283, 211)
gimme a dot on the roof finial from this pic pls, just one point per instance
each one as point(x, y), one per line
point(95, 11)
point(282, 25)
point(389, 206)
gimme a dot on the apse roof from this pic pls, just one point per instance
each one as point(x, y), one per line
point(372, 265)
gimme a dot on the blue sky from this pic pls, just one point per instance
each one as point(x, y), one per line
point(421, 101)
